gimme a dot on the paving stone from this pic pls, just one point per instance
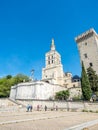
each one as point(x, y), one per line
point(41, 120)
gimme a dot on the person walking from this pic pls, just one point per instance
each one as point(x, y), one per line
point(37, 107)
point(45, 108)
point(31, 108)
point(56, 108)
point(28, 106)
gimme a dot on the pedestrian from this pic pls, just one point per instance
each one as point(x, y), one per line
point(56, 108)
point(41, 108)
point(28, 106)
point(37, 107)
point(45, 108)
point(31, 108)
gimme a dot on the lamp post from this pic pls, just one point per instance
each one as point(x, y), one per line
point(32, 74)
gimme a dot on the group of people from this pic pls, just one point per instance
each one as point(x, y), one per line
point(29, 108)
point(40, 107)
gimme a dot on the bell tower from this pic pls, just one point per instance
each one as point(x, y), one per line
point(52, 58)
point(53, 72)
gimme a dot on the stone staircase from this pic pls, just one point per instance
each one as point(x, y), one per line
point(10, 105)
point(17, 102)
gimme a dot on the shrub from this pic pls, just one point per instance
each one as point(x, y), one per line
point(84, 110)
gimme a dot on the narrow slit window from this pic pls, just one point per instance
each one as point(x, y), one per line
point(91, 64)
point(85, 55)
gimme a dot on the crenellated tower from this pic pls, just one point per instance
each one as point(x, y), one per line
point(88, 48)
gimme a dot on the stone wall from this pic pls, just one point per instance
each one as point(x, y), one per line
point(75, 92)
point(35, 90)
point(7, 105)
point(62, 105)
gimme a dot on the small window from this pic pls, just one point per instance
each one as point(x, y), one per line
point(52, 57)
point(91, 64)
point(49, 58)
point(48, 62)
point(65, 85)
point(85, 55)
point(52, 61)
point(85, 43)
point(47, 81)
point(74, 85)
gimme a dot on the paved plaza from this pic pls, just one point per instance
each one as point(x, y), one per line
point(49, 120)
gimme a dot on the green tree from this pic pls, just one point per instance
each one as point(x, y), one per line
point(9, 76)
point(93, 79)
point(86, 90)
point(8, 81)
point(5, 86)
point(3, 91)
point(62, 95)
point(20, 78)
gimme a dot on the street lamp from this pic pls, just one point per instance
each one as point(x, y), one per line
point(32, 74)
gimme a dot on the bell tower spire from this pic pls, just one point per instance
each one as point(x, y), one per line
point(52, 45)
point(53, 71)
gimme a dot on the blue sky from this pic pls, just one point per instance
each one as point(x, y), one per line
point(27, 27)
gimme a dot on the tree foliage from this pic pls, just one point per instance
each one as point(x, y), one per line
point(86, 90)
point(20, 78)
point(62, 95)
point(8, 81)
point(9, 76)
point(93, 79)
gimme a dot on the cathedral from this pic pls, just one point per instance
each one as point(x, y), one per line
point(53, 72)
point(54, 79)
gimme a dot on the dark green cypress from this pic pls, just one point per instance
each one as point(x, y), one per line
point(93, 79)
point(86, 90)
